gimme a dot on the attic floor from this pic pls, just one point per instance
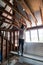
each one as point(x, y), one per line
point(14, 61)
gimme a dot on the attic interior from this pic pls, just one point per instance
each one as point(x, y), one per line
point(13, 14)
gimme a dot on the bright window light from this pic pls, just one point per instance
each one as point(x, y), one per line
point(27, 37)
point(40, 35)
point(34, 36)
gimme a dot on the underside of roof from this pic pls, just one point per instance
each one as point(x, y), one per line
point(13, 13)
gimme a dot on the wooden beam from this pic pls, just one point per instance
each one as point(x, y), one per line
point(28, 10)
point(14, 23)
point(15, 9)
point(41, 10)
point(41, 15)
point(3, 10)
point(15, 5)
point(9, 27)
point(6, 18)
point(29, 19)
point(8, 30)
point(7, 41)
point(13, 39)
point(21, 21)
point(35, 27)
point(6, 48)
point(31, 28)
point(1, 48)
point(10, 41)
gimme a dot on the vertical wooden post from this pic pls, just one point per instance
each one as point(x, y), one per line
point(13, 39)
point(10, 41)
point(13, 31)
point(6, 44)
point(17, 41)
point(0, 32)
point(1, 48)
point(6, 48)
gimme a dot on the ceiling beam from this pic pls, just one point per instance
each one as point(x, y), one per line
point(41, 10)
point(11, 21)
point(31, 28)
point(28, 10)
point(2, 9)
point(2, 29)
point(15, 5)
point(35, 27)
point(41, 15)
point(6, 18)
point(14, 24)
point(22, 20)
point(8, 30)
point(9, 26)
point(9, 4)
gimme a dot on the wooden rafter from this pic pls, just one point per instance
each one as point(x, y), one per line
point(40, 8)
point(6, 30)
point(12, 21)
point(2, 9)
point(28, 9)
point(15, 9)
point(14, 24)
point(41, 15)
point(22, 21)
point(9, 26)
point(28, 18)
point(6, 18)
point(15, 5)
